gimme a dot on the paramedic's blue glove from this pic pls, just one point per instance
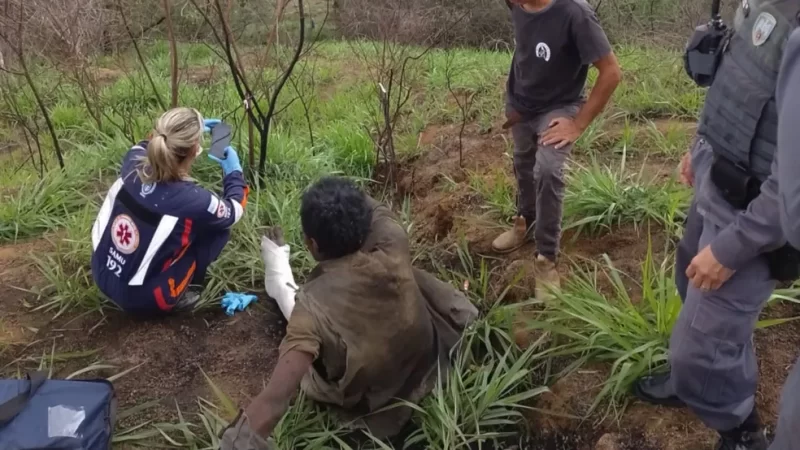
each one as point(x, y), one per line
point(234, 301)
point(208, 124)
point(230, 163)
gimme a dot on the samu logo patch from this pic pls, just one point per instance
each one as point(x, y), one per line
point(763, 28)
point(124, 234)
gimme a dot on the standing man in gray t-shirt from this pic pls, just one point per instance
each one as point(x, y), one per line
point(556, 42)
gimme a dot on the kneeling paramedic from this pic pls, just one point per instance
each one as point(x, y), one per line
point(733, 249)
point(158, 231)
point(367, 330)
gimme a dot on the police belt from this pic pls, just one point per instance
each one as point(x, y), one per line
point(738, 187)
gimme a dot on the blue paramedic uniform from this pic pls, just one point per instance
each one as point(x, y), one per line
point(152, 240)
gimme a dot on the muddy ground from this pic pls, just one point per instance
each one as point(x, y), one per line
point(238, 353)
point(170, 355)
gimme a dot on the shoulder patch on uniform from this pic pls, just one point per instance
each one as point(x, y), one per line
point(223, 212)
point(147, 189)
point(124, 234)
point(213, 205)
point(763, 27)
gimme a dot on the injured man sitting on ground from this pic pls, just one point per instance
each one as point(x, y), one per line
point(367, 331)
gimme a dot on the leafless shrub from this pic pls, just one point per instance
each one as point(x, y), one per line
point(15, 22)
point(486, 22)
point(464, 98)
point(394, 69)
point(473, 22)
point(666, 23)
point(258, 90)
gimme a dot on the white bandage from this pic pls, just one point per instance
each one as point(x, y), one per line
point(278, 278)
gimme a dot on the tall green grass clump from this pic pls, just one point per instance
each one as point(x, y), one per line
point(498, 191)
point(589, 323)
point(482, 399)
point(40, 205)
point(600, 197)
point(655, 84)
point(630, 333)
point(67, 270)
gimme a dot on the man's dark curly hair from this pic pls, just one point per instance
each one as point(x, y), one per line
point(334, 212)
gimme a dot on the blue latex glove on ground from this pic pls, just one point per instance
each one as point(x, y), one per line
point(208, 124)
point(234, 301)
point(230, 163)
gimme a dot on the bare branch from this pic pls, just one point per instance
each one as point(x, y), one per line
point(139, 55)
point(173, 50)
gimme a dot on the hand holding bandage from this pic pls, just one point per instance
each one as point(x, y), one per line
point(278, 278)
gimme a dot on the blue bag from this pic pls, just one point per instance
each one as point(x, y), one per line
point(41, 414)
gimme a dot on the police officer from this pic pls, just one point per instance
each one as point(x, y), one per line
point(788, 98)
point(158, 231)
point(733, 248)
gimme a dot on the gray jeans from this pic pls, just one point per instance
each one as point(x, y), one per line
point(540, 179)
point(789, 418)
point(714, 367)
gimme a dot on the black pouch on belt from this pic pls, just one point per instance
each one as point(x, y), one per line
point(739, 188)
point(734, 182)
point(784, 263)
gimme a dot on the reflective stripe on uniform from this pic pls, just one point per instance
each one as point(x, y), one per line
point(238, 211)
point(104, 215)
point(165, 227)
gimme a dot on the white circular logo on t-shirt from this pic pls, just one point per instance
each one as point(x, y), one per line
point(543, 51)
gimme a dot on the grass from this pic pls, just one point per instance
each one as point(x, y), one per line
point(40, 205)
point(632, 335)
point(498, 191)
point(628, 331)
point(7, 339)
point(674, 140)
point(482, 399)
point(601, 197)
point(655, 85)
point(598, 198)
point(477, 404)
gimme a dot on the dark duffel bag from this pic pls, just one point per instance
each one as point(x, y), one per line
point(37, 413)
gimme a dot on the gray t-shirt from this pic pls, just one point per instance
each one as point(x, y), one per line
point(554, 49)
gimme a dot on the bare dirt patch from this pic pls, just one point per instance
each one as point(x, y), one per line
point(238, 353)
point(18, 274)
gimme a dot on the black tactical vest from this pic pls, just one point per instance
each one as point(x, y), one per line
point(740, 117)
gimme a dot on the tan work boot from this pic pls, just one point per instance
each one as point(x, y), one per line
point(547, 278)
point(512, 239)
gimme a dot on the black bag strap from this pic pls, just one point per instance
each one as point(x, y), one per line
point(14, 406)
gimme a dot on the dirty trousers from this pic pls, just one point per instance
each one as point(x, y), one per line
point(539, 170)
point(789, 416)
point(714, 367)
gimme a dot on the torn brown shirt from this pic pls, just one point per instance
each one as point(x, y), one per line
point(376, 327)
